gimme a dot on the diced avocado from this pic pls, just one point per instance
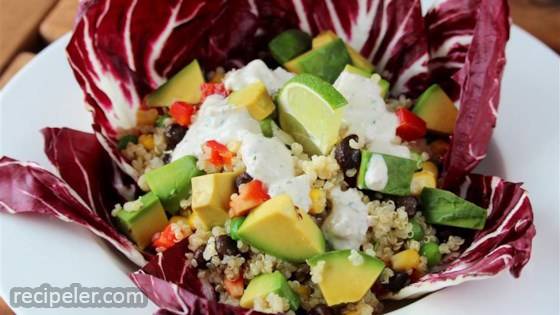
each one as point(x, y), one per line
point(357, 59)
point(172, 182)
point(140, 225)
point(265, 284)
point(445, 208)
point(276, 228)
point(266, 127)
point(255, 98)
point(399, 173)
point(326, 62)
point(345, 275)
point(437, 110)
point(234, 226)
point(385, 86)
point(356, 70)
point(210, 197)
point(183, 86)
point(289, 44)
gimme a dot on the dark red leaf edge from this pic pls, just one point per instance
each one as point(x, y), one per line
point(467, 44)
point(78, 157)
point(505, 243)
point(28, 188)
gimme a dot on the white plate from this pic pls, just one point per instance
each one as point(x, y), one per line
point(37, 250)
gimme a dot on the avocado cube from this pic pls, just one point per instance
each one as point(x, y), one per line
point(445, 208)
point(140, 225)
point(289, 44)
point(276, 228)
point(183, 86)
point(437, 110)
point(172, 182)
point(396, 171)
point(326, 62)
point(255, 98)
point(210, 197)
point(265, 284)
point(345, 275)
point(357, 59)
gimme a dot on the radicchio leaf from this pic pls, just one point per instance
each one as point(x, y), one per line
point(504, 243)
point(172, 283)
point(28, 188)
point(122, 49)
point(83, 163)
point(467, 44)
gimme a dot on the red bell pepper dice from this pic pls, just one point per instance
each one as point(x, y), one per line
point(411, 127)
point(165, 239)
point(182, 113)
point(219, 153)
point(250, 195)
point(208, 89)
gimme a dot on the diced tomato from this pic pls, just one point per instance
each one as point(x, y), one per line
point(411, 127)
point(250, 195)
point(234, 287)
point(182, 113)
point(208, 89)
point(219, 153)
point(165, 240)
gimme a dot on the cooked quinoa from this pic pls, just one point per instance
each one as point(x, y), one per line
point(388, 225)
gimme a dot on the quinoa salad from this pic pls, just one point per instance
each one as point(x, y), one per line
point(302, 188)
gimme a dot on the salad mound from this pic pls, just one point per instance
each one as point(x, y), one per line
point(304, 163)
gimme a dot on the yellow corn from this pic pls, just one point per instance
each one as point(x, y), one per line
point(146, 117)
point(420, 180)
point(147, 141)
point(302, 291)
point(405, 260)
point(318, 201)
point(430, 167)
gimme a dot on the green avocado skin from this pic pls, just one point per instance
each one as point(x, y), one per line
point(289, 44)
point(172, 182)
point(445, 208)
point(400, 172)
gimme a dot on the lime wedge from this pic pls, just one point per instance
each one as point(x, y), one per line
point(310, 109)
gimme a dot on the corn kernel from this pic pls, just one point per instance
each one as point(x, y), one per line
point(147, 141)
point(405, 260)
point(318, 201)
point(420, 180)
point(430, 167)
point(302, 291)
point(146, 117)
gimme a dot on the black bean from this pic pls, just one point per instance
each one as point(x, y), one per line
point(226, 246)
point(348, 158)
point(242, 179)
point(302, 274)
point(321, 309)
point(174, 134)
point(320, 218)
point(199, 257)
point(166, 158)
point(398, 281)
point(409, 203)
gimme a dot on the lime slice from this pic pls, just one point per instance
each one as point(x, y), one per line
point(310, 109)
